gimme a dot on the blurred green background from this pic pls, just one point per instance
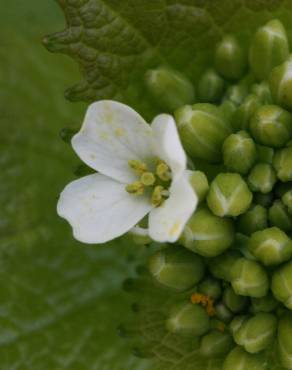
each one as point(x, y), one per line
point(60, 301)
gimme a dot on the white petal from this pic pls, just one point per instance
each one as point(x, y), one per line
point(167, 221)
point(167, 144)
point(99, 209)
point(139, 231)
point(111, 135)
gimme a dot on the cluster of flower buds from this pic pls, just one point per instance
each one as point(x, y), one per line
point(230, 273)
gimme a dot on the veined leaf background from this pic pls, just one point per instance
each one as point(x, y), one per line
point(60, 301)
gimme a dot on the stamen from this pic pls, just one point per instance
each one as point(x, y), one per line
point(163, 171)
point(148, 178)
point(157, 199)
point(138, 166)
point(136, 188)
point(204, 301)
point(165, 193)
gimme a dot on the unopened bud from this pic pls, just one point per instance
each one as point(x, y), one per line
point(176, 268)
point(169, 88)
point(188, 319)
point(271, 125)
point(202, 129)
point(230, 60)
point(269, 48)
point(229, 195)
point(210, 87)
point(249, 278)
point(239, 152)
point(282, 284)
point(207, 234)
point(262, 178)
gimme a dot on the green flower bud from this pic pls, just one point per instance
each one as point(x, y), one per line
point(220, 267)
point(271, 125)
point(242, 115)
point(265, 200)
point(257, 333)
point(270, 246)
point(279, 216)
point(230, 60)
point(282, 284)
point(269, 48)
point(210, 87)
point(207, 234)
point(169, 88)
point(234, 302)
point(264, 304)
point(176, 268)
point(199, 183)
point(239, 359)
point(215, 344)
point(236, 323)
point(262, 178)
point(265, 154)
point(287, 200)
point(249, 278)
point(241, 245)
point(188, 319)
point(211, 288)
point(202, 129)
point(239, 152)
point(285, 340)
point(236, 93)
point(229, 195)
point(283, 164)
point(263, 92)
point(256, 218)
point(280, 82)
point(228, 109)
point(223, 313)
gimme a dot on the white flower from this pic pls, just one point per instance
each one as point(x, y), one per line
point(103, 206)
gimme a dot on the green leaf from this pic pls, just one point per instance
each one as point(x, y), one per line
point(115, 42)
point(60, 302)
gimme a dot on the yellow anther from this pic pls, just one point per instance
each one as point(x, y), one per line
point(136, 188)
point(210, 307)
point(138, 166)
point(163, 171)
point(204, 301)
point(157, 199)
point(221, 327)
point(148, 179)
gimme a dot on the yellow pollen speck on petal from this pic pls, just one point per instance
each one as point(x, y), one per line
point(104, 135)
point(108, 113)
point(175, 228)
point(119, 132)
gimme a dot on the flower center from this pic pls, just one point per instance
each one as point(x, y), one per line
point(155, 182)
